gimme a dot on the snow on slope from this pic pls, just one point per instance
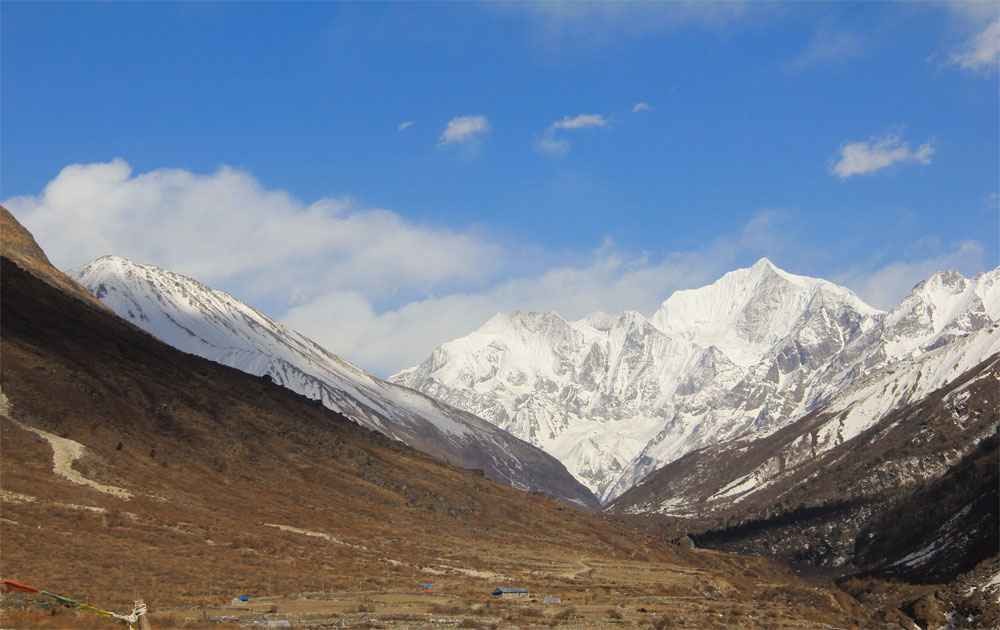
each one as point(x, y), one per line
point(616, 396)
point(747, 311)
point(715, 484)
point(213, 324)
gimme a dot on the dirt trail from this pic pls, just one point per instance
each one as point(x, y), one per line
point(314, 534)
point(579, 569)
point(64, 453)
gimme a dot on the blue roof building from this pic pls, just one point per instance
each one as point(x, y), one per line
point(510, 591)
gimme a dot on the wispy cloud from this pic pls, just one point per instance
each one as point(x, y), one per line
point(463, 129)
point(982, 52)
point(641, 106)
point(885, 285)
point(572, 22)
point(553, 144)
point(869, 156)
point(581, 121)
point(406, 124)
point(827, 47)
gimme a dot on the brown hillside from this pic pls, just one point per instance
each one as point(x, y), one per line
point(20, 246)
point(210, 482)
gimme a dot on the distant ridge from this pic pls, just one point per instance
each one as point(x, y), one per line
point(615, 397)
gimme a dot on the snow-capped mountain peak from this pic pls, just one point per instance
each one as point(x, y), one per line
point(942, 307)
point(614, 396)
point(746, 311)
point(215, 325)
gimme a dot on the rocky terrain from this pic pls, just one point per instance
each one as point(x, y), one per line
point(213, 324)
point(928, 467)
point(615, 397)
point(192, 482)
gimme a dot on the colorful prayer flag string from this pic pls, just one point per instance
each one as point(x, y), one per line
point(138, 609)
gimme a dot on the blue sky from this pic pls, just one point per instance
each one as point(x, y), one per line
point(857, 142)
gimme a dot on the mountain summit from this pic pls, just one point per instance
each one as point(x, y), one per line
point(213, 324)
point(747, 311)
point(617, 396)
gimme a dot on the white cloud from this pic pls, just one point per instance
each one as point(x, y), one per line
point(464, 128)
point(607, 279)
point(369, 284)
point(982, 51)
point(886, 285)
point(406, 124)
point(552, 144)
point(559, 22)
point(225, 228)
point(826, 47)
point(864, 157)
point(580, 121)
point(979, 26)
point(641, 106)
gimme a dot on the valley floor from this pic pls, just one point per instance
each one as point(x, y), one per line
point(590, 593)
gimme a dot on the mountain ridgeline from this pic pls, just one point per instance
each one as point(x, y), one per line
point(212, 324)
point(127, 461)
point(616, 397)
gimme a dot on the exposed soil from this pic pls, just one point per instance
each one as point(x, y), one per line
point(215, 458)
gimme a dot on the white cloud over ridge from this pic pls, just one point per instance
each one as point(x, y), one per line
point(884, 286)
point(641, 106)
point(372, 286)
point(406, 124)
point(868, 156)
point(463, 129)
point(226, 228)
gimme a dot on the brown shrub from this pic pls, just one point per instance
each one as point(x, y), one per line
point(565, 613)
point(662, 623)
point(447, 609)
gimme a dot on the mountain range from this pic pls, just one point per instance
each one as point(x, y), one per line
point(155, 457)
point(209, 323)
point(616, 397)
point(127, 461)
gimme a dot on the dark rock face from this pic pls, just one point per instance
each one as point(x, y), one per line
point(913, 497)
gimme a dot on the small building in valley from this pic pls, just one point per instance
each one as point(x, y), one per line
point(510, 592)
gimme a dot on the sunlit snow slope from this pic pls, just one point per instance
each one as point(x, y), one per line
point(616, 396)
point(213, 324)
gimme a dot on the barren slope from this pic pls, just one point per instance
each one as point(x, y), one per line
point(192, 317)
point(238, 485)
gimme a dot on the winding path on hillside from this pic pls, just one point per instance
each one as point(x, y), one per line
point(64, 453)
